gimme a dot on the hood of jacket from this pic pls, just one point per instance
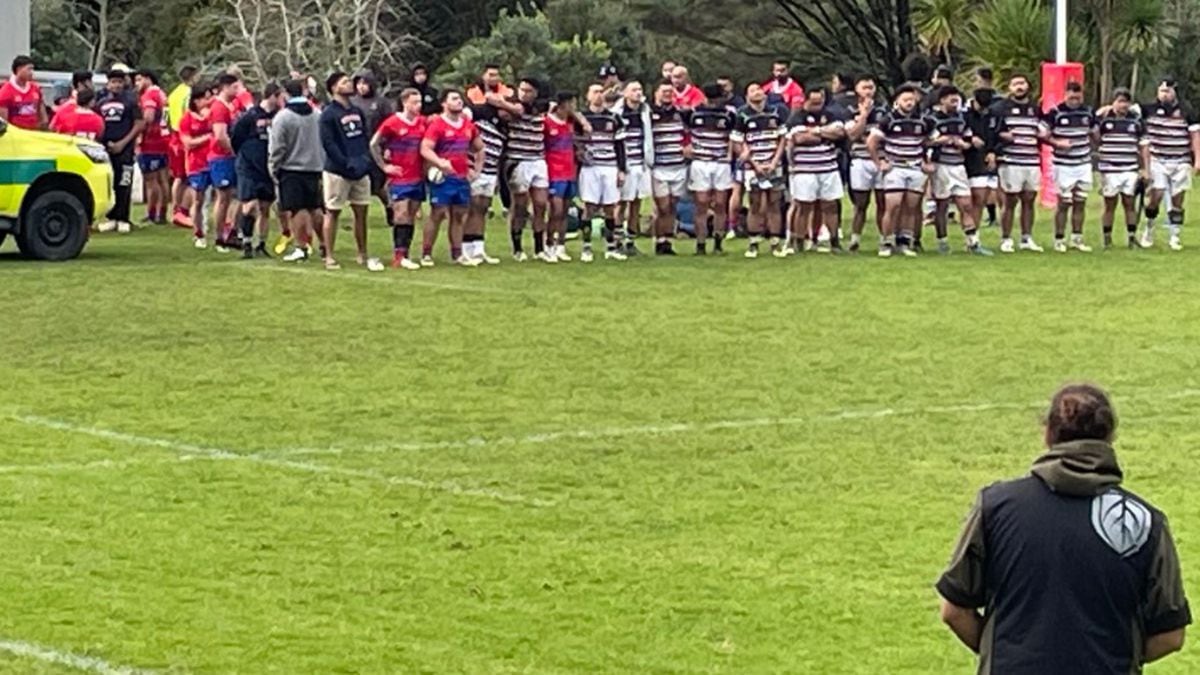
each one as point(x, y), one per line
point(1079, 468)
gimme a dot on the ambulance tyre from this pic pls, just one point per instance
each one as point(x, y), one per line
point(53, 227)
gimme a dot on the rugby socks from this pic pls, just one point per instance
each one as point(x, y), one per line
point(1174, 222)
point(611, 236)
point(246, 225)
point(972, 236)
point(991, 211)
point(516, 241)
point(402, 236)
point(539, 242)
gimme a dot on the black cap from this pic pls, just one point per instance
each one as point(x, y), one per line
point(608, 70)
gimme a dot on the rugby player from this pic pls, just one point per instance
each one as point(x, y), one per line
point(1173, 154)
point(452, 146)
point(815, 183)
point(562, 172)
point(672, 150)
point(154, 146)
point(222, 167)
point(1069, 126)
point(1119, 160)
point(897, 147)
point(528, 181)
point(1018, 133)
point(195, 137)
point(602, 175)
point(952, 137)
point(759, 144)
point(396, 147)
point(492, 123)
point(639, 155)
point(865, 178)
point(711, 174)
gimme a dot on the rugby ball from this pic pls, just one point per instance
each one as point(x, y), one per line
point(435, 175)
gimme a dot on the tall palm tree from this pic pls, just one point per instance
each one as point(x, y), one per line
point(940, 25)
point(1143, 32)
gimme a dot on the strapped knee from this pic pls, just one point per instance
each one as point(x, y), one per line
point(1151, 212)
point(1175, 216)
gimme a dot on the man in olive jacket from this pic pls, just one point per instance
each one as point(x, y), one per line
point(1074, 574)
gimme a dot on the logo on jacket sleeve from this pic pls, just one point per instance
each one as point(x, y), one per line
point(1121, 522)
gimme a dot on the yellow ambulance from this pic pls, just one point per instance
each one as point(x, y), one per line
point(52, 188)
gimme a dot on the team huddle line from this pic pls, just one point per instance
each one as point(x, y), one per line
point(783, 159)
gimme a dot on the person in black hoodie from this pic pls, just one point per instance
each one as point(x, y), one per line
point(376, 108)
point(431, 101)
point(255, 189)
point(347, 163)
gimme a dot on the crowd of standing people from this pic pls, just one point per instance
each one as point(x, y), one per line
point(773, 160)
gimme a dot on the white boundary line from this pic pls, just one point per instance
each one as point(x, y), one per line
point(190, 451)
point(66, 467)
point(397, 278)
point(653, 429)
point(90, 664)
point(683, 427)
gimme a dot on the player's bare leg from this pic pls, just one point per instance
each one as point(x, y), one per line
point(664, 224)
point(893, 204)
point(831, 216)
point(329, 238)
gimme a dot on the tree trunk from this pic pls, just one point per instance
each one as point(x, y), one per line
point(1133, 77)
point(1106, 65)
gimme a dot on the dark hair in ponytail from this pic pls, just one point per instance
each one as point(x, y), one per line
point(1080, 412)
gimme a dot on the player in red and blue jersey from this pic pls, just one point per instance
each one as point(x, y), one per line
point(452, 146)
point(222, 165)
point(396, 147)
point(559, 133)
point(152, 151)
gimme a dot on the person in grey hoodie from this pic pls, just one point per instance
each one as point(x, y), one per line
point(295, 161)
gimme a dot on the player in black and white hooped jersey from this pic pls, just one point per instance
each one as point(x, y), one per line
point(639, 151)
point(1121, 163)
point(672, 150)
point(1018, 156)
point(529, 180)
point(1173, 147)
point(491, 119)
point(601, 175)
point(952, 137)
point(865, 178)
point(814, 182)
point(710, 177)
point(1070, 126)
point(758, 140)
point(897, 147)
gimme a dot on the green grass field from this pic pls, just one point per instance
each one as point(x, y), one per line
point(717, 465)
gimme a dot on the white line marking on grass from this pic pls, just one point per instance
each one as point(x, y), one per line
point(190, 451)
point(90, 664)
point(655, 429)
point(400, 278)
point(66, 467)
point(690, 427)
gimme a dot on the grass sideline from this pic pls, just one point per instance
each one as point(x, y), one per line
point(746, 466)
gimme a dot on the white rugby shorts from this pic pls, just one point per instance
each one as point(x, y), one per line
point(950, 181)
point(816, 187)
point(531, 174)
point(598, 185)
